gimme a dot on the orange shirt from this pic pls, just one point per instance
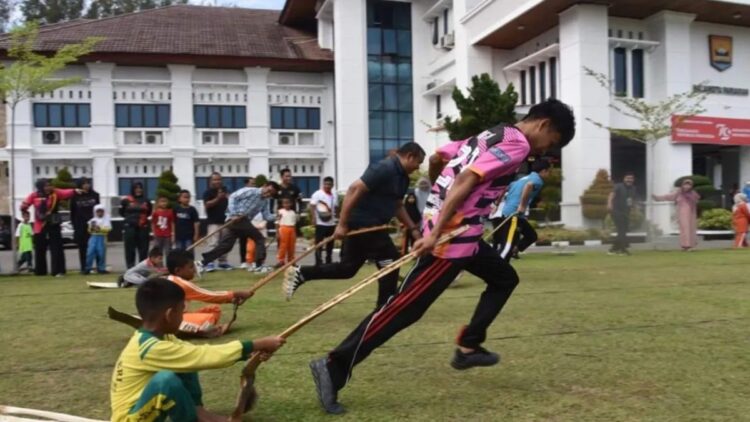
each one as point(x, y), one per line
point(193, 292)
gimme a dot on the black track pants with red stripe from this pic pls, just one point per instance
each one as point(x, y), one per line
point(425, 282)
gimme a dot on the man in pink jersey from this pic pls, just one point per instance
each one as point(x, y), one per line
point(468, 176)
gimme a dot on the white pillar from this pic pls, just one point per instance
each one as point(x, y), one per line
point(668, 75)
point(352, 124)
point(25, 178)
point(182, 135)
point(583, 43)
point(328, 127)
point(105, 178)
point(470, 60)
point(258, 119)
point(101, 134)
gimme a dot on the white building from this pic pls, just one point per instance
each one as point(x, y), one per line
point(195, 89)
point(396, 63)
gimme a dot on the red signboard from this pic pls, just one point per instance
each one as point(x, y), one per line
point(710, 130)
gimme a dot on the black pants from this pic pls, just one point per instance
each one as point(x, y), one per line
point(429, 277)
point(81, 236)
point(622, 221)
point(321, 232)
point(49, 238)
point(243, 228)
point(515, 232)
point(26, 258)
point(243, 248)
point(355, 250)
point(136, 240)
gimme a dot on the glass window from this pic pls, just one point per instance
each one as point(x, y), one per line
point(373, 41)
point(390, 124)
point(390, 97)
point(404, 43)
point(163, 115)
point(84, 115)
point(621, 72)
point(375, 97)
point(404, 72)
point(401, 15)
point(302, 119)
point(277, 118)
point(389, 72)
point(136, 116)
point(435, 31)
point(121, 115)
point(404, 97)
point(389, 41)
point(523, 87)
point(374, 72)
point(553, 77)
point(542, 81)
point(314, 118)
point(445, 21)
point(227, 117)
point(213, 117)
point(437, 107)
point(289, 114)
point(376, 124)
point(40, 115)
point(55, 115)
point(405, 126)
point(532, 84)
point(149, 116)
point(69, 115)
point(240, 117)
point(637, 73)
point(199, 116)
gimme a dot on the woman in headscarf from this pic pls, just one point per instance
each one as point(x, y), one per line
point(47, 220)
point(686, 200)
point(421, 192)
point(135, 209)
point(740, 220)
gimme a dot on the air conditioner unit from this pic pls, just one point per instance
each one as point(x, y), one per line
point(448, 40)
point(210, 139)
point(51, 137)
point(286, 139)
point(153, 139)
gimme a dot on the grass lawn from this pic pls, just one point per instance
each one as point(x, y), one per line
point(659, 336)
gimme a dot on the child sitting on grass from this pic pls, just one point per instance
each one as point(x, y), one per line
point(140, 273)
point(181, 272)
point(156, 375)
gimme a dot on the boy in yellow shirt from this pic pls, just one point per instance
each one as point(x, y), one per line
point(156, 375)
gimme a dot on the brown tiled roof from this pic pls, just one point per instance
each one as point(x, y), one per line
point(186, 30)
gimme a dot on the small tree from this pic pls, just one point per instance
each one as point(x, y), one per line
point(260, 180)
point(551, 193)
point(64, 180)
point(168, 187)
point(654, 120)
point(486, 106)
point(594, 199)
point(30, 74)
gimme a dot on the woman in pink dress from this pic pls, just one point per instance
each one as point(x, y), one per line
point(686, 200)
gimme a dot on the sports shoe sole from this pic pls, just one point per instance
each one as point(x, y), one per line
point(317, 372)
point(464, 366)
point(290, 277)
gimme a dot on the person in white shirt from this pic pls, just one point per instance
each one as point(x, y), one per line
point(287, 231)
point(323, 211)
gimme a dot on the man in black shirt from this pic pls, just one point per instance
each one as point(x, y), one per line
point(81, 211)
point(215, 200)
point(620, 202)
point(289, 190)
point(372, 200)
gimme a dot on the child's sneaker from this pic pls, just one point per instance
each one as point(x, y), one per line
point(263, 269)
point(199, 267)
point(292, 280)
point(479, 357)
point(244, 266)
point(251, 268)
point(209, 268)
point(225, 266)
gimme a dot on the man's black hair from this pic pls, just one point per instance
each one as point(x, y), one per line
point(560, 116)
point(155, 252)
point(328, 179)
point(82, 181)
point(284, 171)
point(177, 259)
point(156, 296)
point(216, 173)
point(411, 148)
point(540, 165)
point(183, 191)
point(628, 173)
point(274, 185)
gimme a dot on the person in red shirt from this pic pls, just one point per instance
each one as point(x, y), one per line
point(162, 222)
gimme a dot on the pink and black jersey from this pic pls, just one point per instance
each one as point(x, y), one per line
point(495, 155)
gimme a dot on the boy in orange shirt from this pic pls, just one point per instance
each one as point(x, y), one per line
point(181, 272)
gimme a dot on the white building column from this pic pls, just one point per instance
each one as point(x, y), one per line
point(182, 135)
point(583, 43)
point(668, 75)
point(258, 120)
point(328, 128)
point(101, 134)
point(105, 178)
point(470, 60)
point(352, 123)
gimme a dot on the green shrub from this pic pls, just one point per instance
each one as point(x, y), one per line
point(308, 232)
point(698, 180)
point(706, 205)
point(551, 194)
point(168, 187)
point(594, 199)
point(716, 219)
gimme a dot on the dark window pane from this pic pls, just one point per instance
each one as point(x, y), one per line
point(199, 115)
point(40, 115)
point(226, 117)
point(213, 116)
point(390, 124)
point(376, 124)
point(55, 115)
point(532, 84)
point(404, 43)
point(240, 117)
point(553, 77)
point(84, 115)
point(389, 42)
point(404, 72)
point(376, 151)
point(314, 118)
point(435, 32)
point(523, 87)
point(136, 116)
point(390, 97)
point(405, 125)
point(163, 115)
point(374, 72)
point(542, 81)
point(404, 97)
point(389, 72)
point(390, 145)
point(149, 116)
point(375, 97)
point(621, 72)
point(373, 41)
point(289, 118)
point(277, 117)
point(69, 115)
point(637, 73)
point(445, 21)
point(401, 15)
point(302, 118)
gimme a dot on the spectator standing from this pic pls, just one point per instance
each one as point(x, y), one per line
point(47, 221)
point(163, 223)
point(215, 200)
point(249, 183)
point(187, 222)
point(686, 199)
point(421, 192)
point(99, 227)
point(323, 212)
point(740, 220)
point(619, 204)
point(287, 219)
point(287, 189)
point(81, 212)
point(135, 210)
point(25, 240)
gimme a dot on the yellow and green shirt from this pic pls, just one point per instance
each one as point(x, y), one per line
point(146, 354)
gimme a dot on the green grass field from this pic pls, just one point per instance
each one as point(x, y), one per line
point(659, 336)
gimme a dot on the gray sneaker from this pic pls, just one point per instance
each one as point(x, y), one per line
point(292, 280)
point(327, 395)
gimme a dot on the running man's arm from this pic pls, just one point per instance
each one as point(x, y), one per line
point(353, 195)
point(404, 218)
point(611, 201)
point(525, 196)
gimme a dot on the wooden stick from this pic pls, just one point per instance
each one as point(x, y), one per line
point(265, 280)
point(210, 235)
point(247, 394)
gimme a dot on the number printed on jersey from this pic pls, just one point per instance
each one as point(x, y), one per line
point(162, 222)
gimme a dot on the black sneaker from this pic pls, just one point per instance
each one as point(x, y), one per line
point(324, 387)
point(479, 357)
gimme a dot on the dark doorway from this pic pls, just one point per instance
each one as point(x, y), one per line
point(627, 155)
point(721, 164)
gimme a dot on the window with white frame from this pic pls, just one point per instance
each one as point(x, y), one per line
point(628, 72)
point(538, 82)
